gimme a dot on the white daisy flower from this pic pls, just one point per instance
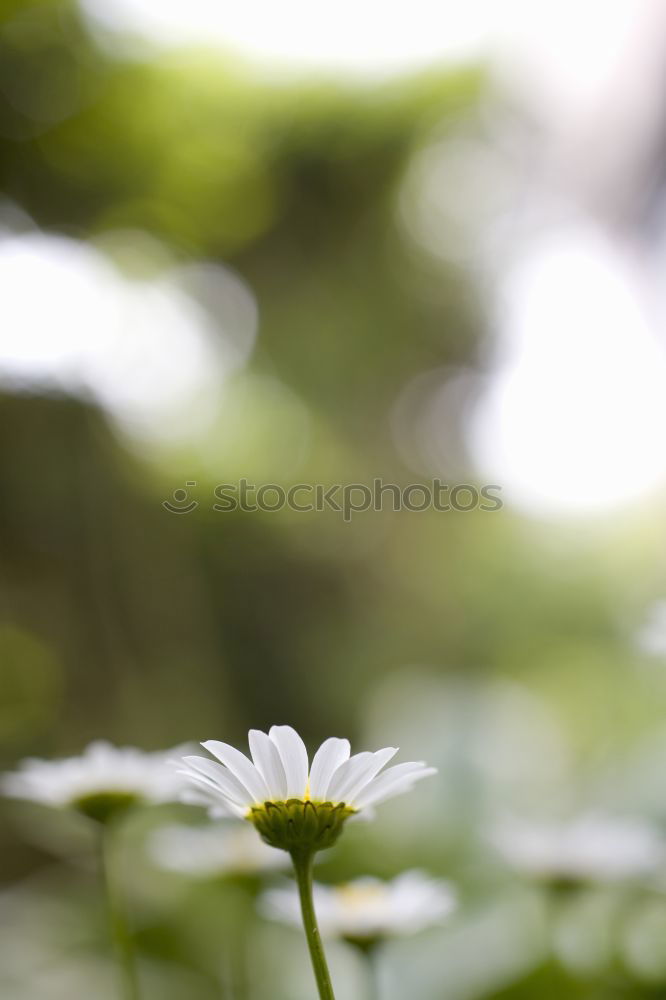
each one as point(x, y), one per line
point(587, 849)
point(651, 636)
point(208, 851)
point(102, 781)
point(293, 804)
point(366, 910)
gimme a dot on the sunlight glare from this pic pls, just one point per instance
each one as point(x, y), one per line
point(574, 417)
point(146, 350)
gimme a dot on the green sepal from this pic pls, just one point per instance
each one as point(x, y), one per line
point(366, 944)
point(104, 807)
point(298, 825)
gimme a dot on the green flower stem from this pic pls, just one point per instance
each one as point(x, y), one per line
point(239, 911)
point(237, 968)
point(372, 968)
point(369, 949)
point(303, 865)
point(120, 933)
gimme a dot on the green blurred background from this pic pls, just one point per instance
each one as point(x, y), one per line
point(256, 233)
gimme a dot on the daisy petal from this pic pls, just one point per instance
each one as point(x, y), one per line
point(206, 797)
point(355, 773)
point(201, 782)
point(240, 767)
point(392, 782)
point(328, 758)
point(212, 791)
point(294, 758)
point(221, 777)
point(267, 761)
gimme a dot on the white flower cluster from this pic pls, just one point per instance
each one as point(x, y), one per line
point(215, 850)
point(368, 909)
point(590, 848)
point(102, 769)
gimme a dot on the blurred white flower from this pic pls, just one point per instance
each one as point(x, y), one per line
point(206, 851)
point(368, 909)
point(103, 779)
point(291, 803)
point(651, 636)
point(589, 848)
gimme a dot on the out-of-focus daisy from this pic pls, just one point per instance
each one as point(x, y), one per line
point(103, 781)
point(209, 851)
point(295, 805)
point(368, 910)
point(651, 636)
point(587, 849)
